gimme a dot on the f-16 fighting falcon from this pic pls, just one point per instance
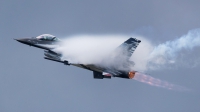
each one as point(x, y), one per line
point(121, 56)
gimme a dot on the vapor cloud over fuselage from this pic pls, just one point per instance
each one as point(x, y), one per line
point(89, 49)
point(95, 49)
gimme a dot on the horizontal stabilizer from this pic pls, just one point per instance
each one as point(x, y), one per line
point(99, 75)
point(65, 62)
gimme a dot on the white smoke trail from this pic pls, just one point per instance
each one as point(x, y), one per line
point(157, 82)
point(173, 52)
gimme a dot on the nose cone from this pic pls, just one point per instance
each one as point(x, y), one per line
point(24, 41)
point(19, 40)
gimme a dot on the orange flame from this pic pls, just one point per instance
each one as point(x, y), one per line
point(131, 74)
point(157, 82)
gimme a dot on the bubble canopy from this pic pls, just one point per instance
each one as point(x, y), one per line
point(47, 37)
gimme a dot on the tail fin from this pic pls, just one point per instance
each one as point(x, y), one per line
point(128, 47)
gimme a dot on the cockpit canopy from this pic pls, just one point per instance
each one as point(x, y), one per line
point(47, 37)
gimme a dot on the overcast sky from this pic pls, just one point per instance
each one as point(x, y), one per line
point(28, 83)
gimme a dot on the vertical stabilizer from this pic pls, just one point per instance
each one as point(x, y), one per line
point(128, 47)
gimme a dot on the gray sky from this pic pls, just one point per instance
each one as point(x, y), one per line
point(30, 83)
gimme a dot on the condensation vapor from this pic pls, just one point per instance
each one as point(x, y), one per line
point(98, 49)
point(87, 49)
point(157, 82)
point(93, 49)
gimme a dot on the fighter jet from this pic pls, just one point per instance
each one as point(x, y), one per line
point(121, 56)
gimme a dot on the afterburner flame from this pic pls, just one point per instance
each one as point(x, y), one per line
point(157, 82)
point(131, 74)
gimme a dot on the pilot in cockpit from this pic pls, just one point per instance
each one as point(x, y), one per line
point(47, 37)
